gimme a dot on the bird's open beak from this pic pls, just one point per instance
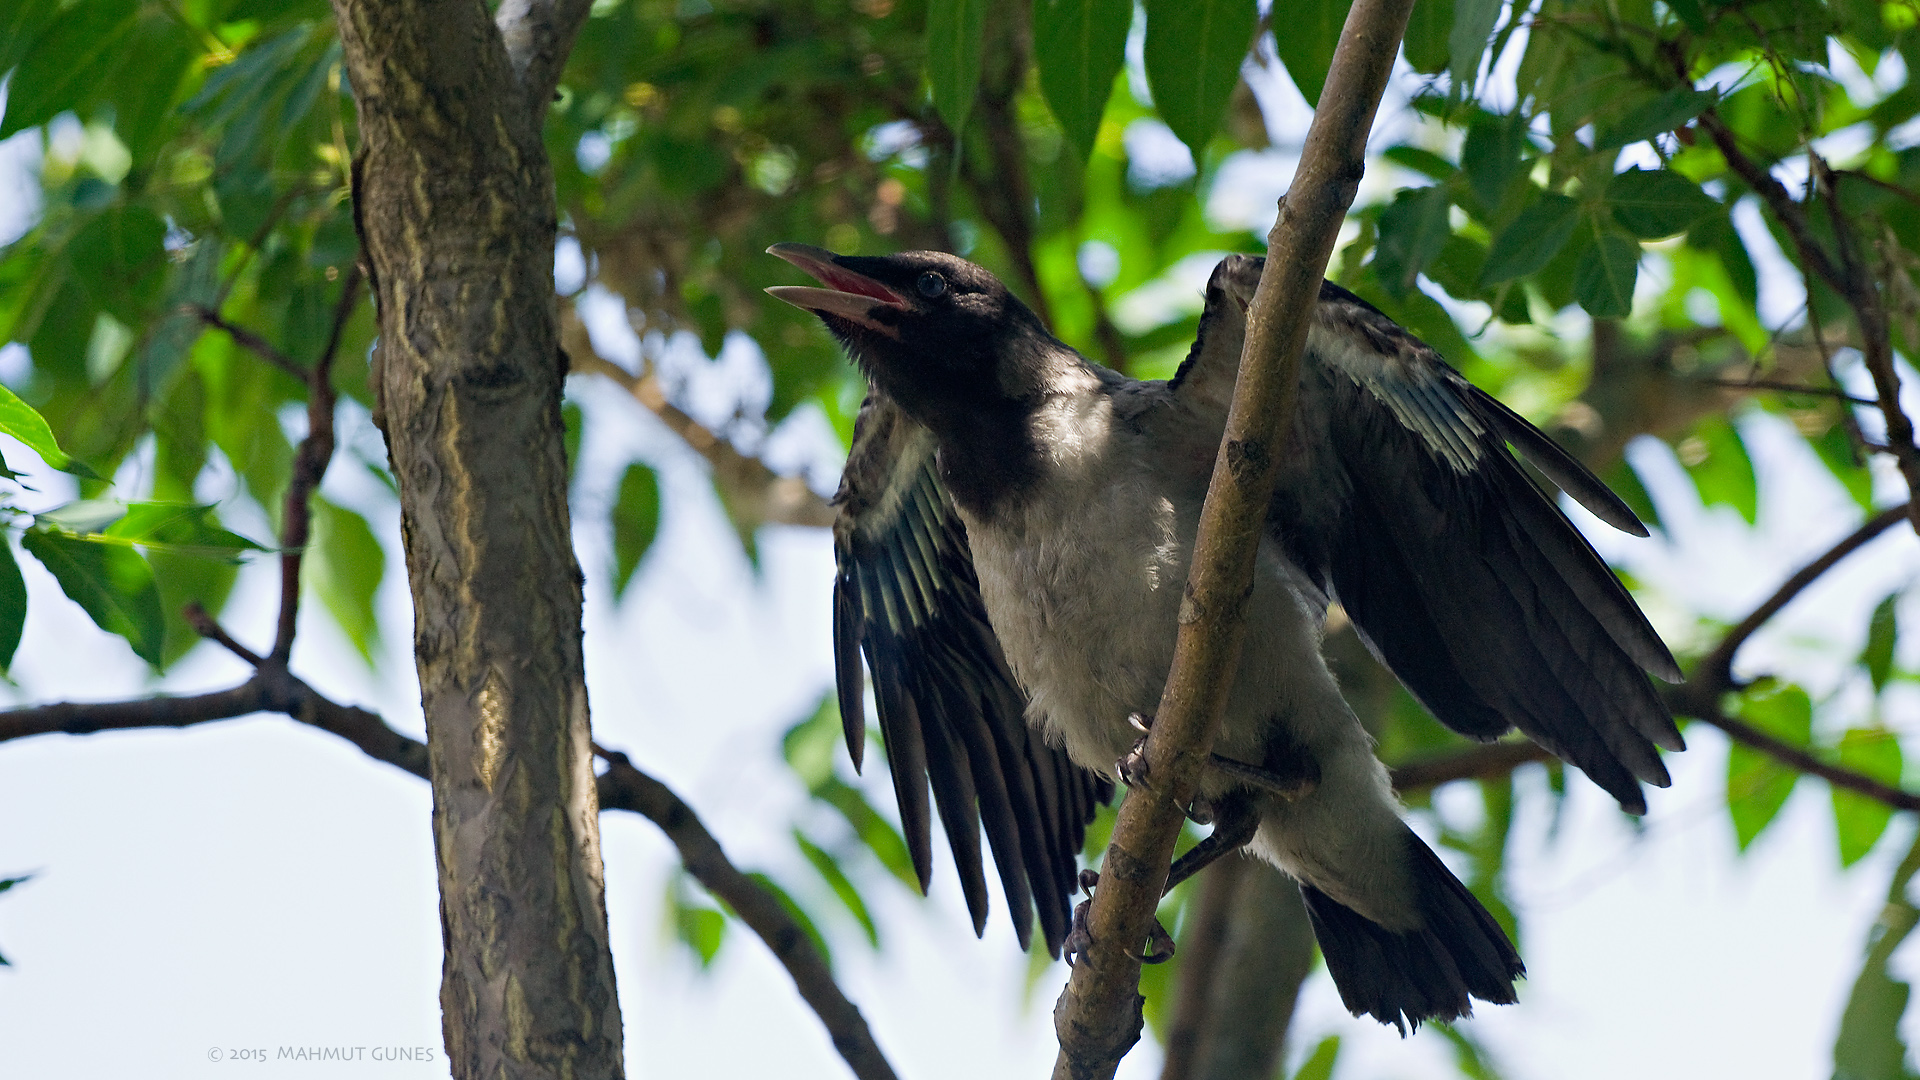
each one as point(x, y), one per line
point(849, 296)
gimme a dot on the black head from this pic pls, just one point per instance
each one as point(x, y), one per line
point(937, 333)
point(947, 341)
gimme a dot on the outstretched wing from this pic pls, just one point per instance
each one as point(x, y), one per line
point(1399, 498)
point(950, 713)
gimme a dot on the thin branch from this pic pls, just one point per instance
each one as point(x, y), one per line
point(622, 787)
point(1472, 763)
point(1803, 760)
point(208, 627)
point(753, 490)
point(309, 466)
point(625, 787)
point(1714, 674)
point(1098, 1017)
point(1891, 189)
point(1847, 277)
point(1834, 392)
point(247, 339)
point(539, 34)
point(88, 717)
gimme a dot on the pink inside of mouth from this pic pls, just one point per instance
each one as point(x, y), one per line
point(847, 282)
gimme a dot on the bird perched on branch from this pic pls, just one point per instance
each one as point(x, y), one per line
point(1013, 542)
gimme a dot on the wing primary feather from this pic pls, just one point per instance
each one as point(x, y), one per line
point(846, 670)
point(900, 727)
point(1553, 461)
point(950, 769)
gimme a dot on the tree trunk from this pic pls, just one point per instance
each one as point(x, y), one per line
point(455, 203)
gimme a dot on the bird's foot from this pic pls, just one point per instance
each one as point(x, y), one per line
point(1159, 948)
point(1132, 769)
point(1132, 765)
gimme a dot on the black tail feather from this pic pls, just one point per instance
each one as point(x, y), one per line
point(1431, 973)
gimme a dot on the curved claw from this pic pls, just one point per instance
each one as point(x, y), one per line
point(1159, 948)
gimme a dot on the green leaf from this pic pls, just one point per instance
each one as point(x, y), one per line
point(842, 888)
point(122, 258)
point(697, 926)
point(21, 24)
point(1690, 13)
point(1722, 470)
point(66, 64)
point(1626, 483)
point(1306, 43)
point(1080, 46)
point(1193, 53)
point(13, 605)
point(112, 584)
point(84, 516)
point(1603, 279)
point(1654, 203)
point(1868, 1046)
point(1664, 113)
point(346, 563)
point(1837, 452)
point(1491, 155)
point(1532, 239)
point(1426, 46)
point(956, 30)
point(873, 830)
point(1858, 820)
point(799, 914)
point(1472, 27)
point(1319, 1064)
point(1413, 230)
point(188, 579)
point(24, 422)
point(1757, 784)
point(1882, 632)
point(1425, 162)
point(636, 521)
point(187, 528)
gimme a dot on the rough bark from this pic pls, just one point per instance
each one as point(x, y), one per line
point(454, 199)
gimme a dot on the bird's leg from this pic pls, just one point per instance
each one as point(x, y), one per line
point(1286, 785)
point(1237, 821)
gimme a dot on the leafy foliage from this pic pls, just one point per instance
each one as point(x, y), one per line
point(206, 171)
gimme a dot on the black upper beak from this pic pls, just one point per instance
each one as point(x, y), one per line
point(850, 296)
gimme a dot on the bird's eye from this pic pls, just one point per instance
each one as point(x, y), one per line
point(931, 285)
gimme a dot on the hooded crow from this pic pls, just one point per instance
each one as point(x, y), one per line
point(1015, 524)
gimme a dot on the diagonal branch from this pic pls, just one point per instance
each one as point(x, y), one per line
point(1714, 674)
point(1098, 1016)
point(625, 787)
point(753, 491)
point(248, 340)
